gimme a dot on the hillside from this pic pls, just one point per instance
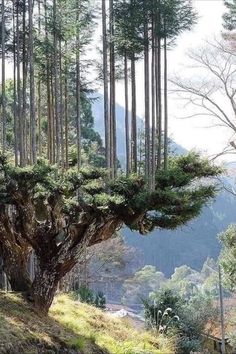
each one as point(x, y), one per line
point(70, 328)
point(190, 245)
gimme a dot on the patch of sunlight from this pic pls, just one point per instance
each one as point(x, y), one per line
point(76, 325)
point(116, 335)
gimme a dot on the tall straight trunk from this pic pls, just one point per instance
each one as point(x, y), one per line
point(78, 88)
point(16, 129)
point(56, 83)
point(165, 105)
point(112, 94)
point(153, 135)
point(39, 117)
point(127, 135)
point(24, 88)
point(32, 88)
point(147, 103)
point(105, 87)
point(139, 152)
point(66, 110)
point(159, 102)
point(3, 80)
point(19, 96)
point(61, 108)
point(133, 117)
point(39, 89)
point(50, 128)
point(54, 123)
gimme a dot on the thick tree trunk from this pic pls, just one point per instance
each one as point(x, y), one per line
point(15, 267)
point(44, 289)
point(2, 275)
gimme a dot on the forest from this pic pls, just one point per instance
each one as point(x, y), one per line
point(81, 179)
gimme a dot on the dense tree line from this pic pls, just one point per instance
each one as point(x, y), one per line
point(42, 41)
point(46, 42)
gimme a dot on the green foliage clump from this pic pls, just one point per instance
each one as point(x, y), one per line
point(105, 200)
point(93, 173)
point(230, 16)
point(183, 170)
point(228, 256)
point(127, 186)
point(170, 313)
point(88, 296)
point(179, 194)
point(94, 186)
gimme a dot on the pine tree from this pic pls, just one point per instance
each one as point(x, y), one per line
point(48, 193)
point(230, 16)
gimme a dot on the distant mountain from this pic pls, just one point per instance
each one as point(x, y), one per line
point(120, 127)
point(120, 124)
point(190, 245)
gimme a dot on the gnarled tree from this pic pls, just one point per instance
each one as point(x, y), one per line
point(58, 214)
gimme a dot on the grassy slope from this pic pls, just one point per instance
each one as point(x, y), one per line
point(70, 328)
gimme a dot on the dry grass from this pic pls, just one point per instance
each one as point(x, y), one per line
point(70, 325)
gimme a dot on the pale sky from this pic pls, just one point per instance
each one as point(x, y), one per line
point(190, 133)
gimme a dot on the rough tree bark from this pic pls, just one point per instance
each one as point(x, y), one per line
point(54, 265)
point(15, 266)
point(14, 252)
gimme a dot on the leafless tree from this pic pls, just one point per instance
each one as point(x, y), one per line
point(214, 95)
